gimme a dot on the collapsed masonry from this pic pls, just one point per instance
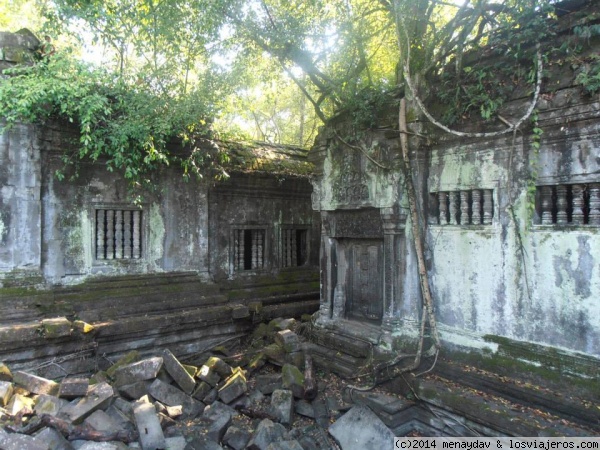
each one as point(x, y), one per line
point(265, 395)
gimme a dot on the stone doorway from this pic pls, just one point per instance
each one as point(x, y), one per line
point(365, 280)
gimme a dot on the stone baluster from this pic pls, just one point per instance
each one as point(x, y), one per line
point(476, 207)
point(119, 234)
point(488, 207)
point(100, 236)
point(578, 201)
point(443, 205)
point(453, 196)
point(594, 218)
point(137, 245)
point(547, 205)
point(127, 244)
point(464, 208)
point(110, 234)
point(561, 204)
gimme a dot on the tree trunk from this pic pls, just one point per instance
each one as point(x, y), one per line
point(416, 229)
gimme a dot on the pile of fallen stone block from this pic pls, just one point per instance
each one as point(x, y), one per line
point(262, 402)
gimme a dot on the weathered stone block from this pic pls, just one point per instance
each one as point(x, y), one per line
point(73, 387)
point(240, 312)
point(208, 375)
point(233, 388)
point(148, 425)
point(17, 403)
point(257, 362)
point(275, 354)
point(268, 383)
point(101, 421)
point(48, 404)
point(83, 327)
point(53, 439)
point(296, 358)
point(35, 384)
point(236, 438)
point(202, 390)
point(218, 365)
point(130, 358)
point(293, 379)
point(16, 441)
point(192, 370)
point(282, 324)
point(221, 419)
point(321, 412)
point(134, 391)
point(172, 396)
point(57, 327)
point(361, 428)
point(98, 397)
point(147, 369)
point(5, 374)
point(211, 397)
point(285, 445)
point(266, 433)
point(183, 379)
point(6, 392)
point(202, 443)
point(282, 405)
point(288, 340)
point(119, 417)
point(304, 408)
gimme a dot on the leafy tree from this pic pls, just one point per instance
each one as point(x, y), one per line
point(129, 126)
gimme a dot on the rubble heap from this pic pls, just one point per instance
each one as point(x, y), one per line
point(266, 397)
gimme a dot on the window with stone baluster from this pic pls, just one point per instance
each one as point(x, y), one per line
point(249, 248)
point(470, 207)
point(568, 204)
point(294, 246)
point(118, 234)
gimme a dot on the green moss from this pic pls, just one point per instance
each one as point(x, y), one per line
point(129, 358)
point(532, 361)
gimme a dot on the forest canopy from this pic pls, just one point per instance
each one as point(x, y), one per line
point(270, 70)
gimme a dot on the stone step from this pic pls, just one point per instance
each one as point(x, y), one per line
point(495, 412)
point(560, 403)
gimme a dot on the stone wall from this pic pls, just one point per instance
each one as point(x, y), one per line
point(512, 231)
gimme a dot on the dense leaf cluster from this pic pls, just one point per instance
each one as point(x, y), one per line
point(130, 128)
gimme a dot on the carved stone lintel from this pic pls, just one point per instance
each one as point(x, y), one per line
point(594, 218)
point(547, 205)
point(476, 207)
point(464, 208)
point(488, 211)
point(577, 217)
point(561, 204)
point(443, 206)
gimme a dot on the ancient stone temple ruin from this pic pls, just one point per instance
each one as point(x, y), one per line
point(512, 238)
point(512, 244)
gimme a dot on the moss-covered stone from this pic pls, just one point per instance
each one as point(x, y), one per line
point(293, 379)
point(57, 327)
point(129, 358)
point(5, 374)
point(83, 327)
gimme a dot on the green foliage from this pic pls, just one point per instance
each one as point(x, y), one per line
point(366, 105)
point(589, 74)
point(536, 137)
point(129, 127)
